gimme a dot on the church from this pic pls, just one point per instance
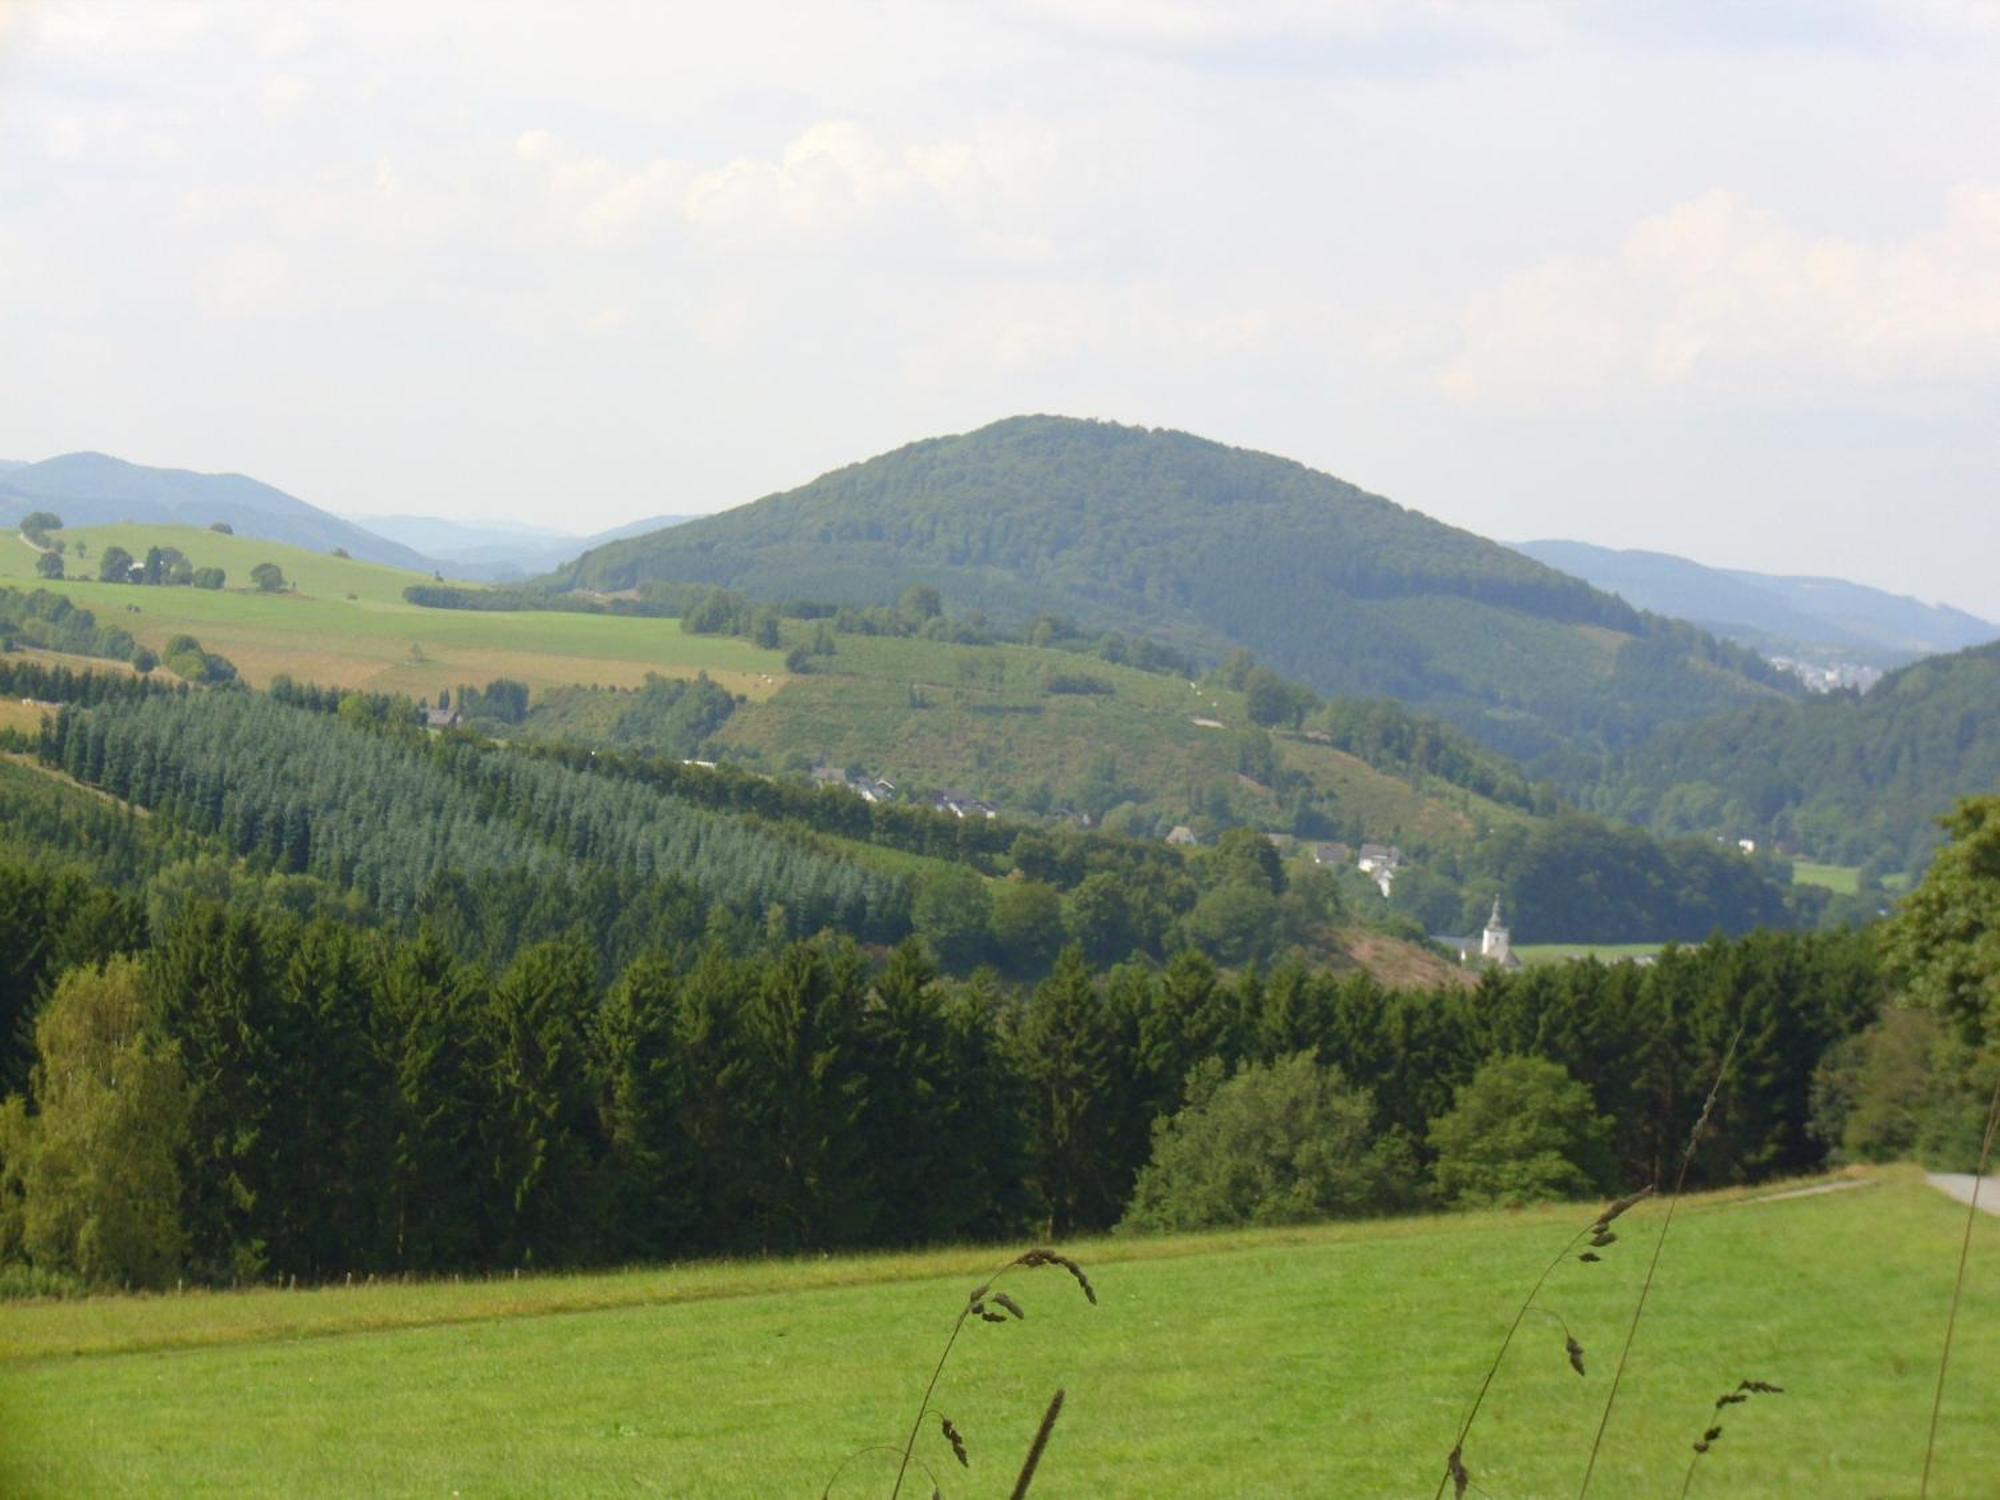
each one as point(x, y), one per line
point(1493, 946)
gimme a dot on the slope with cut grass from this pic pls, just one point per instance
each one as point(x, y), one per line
point(346, 622)
point(1333, 1360)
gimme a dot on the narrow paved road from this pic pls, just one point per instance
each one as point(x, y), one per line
point(1959, 1185)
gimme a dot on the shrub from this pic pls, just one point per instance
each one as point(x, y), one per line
point(209, 578)
point(268, 577)
point(1522, 1131)
point(1278, 1143)
point(91, 1183)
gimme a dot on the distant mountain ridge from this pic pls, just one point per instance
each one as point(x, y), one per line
point(1781, 614)
point(95, 489)
point(1213, 548)
point(494, 551)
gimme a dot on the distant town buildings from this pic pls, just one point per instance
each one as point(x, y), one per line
point(1832, 678)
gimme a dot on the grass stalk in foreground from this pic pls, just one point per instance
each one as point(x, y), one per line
point(1712, 1434)
point(989, 1306)
point(1038, 1447)
point(1652, 1266)
point(1599, 1233)
point(1958, 1284)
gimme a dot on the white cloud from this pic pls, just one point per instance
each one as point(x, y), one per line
point(1721, 298)
point(833, 177)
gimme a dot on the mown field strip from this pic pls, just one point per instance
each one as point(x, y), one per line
point(1317, 1362)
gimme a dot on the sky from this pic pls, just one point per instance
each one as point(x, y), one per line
point(1713, 278)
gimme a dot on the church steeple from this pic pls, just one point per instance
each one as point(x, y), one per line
point(1495, 943)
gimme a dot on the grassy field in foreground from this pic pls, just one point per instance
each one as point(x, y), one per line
point(1327, 1361)
point(347, 622)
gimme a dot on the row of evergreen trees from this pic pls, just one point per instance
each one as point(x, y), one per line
point(388, 814)
point(357, 1101)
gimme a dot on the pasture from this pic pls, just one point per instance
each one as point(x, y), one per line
point(982, 717)
point(1562, 953)
point(347, 622)
point(1842, 880)
point(1333, 1360)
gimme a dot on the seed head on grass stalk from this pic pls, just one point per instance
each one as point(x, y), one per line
point(1712, 1434)
point(1598, 1232)
point(988, 1306)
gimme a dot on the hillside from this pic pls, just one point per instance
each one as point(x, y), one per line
point(1849, 779)
point(344, 621)
point(94, 489)
point(1212, 548)
point(1815, 617)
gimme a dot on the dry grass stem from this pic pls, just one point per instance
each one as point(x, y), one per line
point(976, 1307)
point(1040, 1445)
point(1653, 1266)
point(1958, 1283)
point(1455, 1473)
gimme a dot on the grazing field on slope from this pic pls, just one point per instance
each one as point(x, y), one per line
point(982, 718)
point(1842, 880)
point(347, 622)
point(22, 718)
point(1327, 1361)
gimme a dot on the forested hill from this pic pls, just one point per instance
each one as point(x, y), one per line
point(1213, 548)
point(1844, 778)
point(94, 489)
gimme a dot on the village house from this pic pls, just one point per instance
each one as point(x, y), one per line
point(962, 805)
point(868, 788)
point(1380, 862)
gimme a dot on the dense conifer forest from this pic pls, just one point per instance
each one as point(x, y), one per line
point(352, 1100)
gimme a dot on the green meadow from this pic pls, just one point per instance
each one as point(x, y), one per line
point(1842, 880)
point(1561, 953)
point(1334, 1360)
point(347, 622)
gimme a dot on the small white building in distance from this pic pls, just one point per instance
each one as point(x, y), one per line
point(1495, 943)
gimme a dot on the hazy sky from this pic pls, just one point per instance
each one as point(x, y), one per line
point(1717, 277)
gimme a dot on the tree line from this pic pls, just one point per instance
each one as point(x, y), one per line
point(349, 1101)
